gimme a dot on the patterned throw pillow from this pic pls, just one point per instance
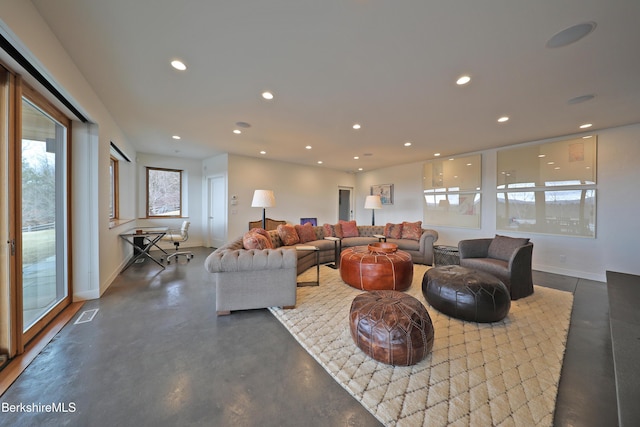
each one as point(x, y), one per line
point(264, 233)
point(288, 234)
point(338, 230)
point(393, 231)
point(306, 232)
point(349, 229)
point(412, 230)
point(328, 230)
point(253, 240)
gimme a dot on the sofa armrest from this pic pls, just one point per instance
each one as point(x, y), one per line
point(229, 260)
point(474, 248)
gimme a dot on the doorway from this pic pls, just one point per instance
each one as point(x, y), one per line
point(216, 209)
point(345, 203)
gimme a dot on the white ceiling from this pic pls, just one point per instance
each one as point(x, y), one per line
point(389, 65)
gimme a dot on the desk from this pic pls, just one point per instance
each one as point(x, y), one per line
point(148, 237)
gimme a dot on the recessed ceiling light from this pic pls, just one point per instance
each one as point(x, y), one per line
point(237, 131)
point(542, 155)
point(571, 34)
point(586, 125)
point(175, 137)
point(263, 152)
point(178, 65)
point(267, 95)
point(308, 147)
point(587, 137)
point(436, 154)
point(407, 144)
point(551, 163)
point(319, 162)
point(356, 126)
point(503, 119)
point(355, 157)
point(580, 99)
point(557, 168)
point(463, 80)
point(469, 164)
point(360, 169)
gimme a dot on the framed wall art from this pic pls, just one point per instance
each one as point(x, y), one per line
point(385, 191)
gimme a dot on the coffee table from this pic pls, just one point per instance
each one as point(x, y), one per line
point(378, 266)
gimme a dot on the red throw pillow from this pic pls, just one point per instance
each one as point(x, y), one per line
point(349, 229)
point(264, 233)
point(393, 231)
point(306, 232)
point(288, 234)
point(412, 230)
point(338, 230)
point(253, 240)
point(328, 230)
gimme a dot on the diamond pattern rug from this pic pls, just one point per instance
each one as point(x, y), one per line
point(501, 374)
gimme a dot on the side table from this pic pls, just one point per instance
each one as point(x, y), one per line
point(336, 251)
point(445, 255)
point(317, 251)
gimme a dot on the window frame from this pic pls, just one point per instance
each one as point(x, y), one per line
point(115, 185)
point(180, 210)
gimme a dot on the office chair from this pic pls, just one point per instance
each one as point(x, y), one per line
point(176, 237)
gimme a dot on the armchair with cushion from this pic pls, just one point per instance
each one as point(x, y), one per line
point(507, 258)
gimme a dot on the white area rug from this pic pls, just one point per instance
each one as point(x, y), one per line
point(497, 374)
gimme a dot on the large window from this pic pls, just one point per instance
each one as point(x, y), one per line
point(164, 192)
point(548, 188)
point(113, 193)
point(452, 191)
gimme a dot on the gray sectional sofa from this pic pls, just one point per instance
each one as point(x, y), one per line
point(253, 278)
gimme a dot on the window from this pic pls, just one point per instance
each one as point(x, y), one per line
point(113, 194)
point(452, 191)
point(164, 192)
point(548, 188)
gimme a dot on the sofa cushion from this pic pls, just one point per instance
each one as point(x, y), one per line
point(254, 240)
point(288, 234)
point(393, 231)
point(306, 232)
point(349, 229)
point(412, 230)
point(502, 247)
point(329, 230)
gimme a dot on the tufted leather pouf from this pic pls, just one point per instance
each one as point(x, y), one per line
point(391, 327)
point(466, 294)
point(376, 267)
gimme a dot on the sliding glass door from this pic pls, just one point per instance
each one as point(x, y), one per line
point(43, 200)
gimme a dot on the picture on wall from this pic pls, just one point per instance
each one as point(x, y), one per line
point(385, 191)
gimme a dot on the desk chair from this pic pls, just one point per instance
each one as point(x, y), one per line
point(176, 237)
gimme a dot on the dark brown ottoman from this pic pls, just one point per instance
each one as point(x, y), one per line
point(466, 294)
point(376, 267)
point(391, 327)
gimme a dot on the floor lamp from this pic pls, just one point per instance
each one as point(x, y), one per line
point(373, 203)
point(263, 199)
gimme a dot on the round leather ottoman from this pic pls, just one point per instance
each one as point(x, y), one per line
point(391, 327)
point(376, 267)
point(466, 294)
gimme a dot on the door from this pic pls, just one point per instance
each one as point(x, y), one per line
point(216, 218)
point(41, 207)
point(345, 203)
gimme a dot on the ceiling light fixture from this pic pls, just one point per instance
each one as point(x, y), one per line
point(503, 119)
point(308, 147)
point(237, 131)
point(319, 162)
point(178, 65)
point(586, 125)
point(175, 137)
point(542, 155)
point(436, 154)
point(360, 169)
point(463, 80)
point(263, 152)
point(407, 144)
point(355, 157)
point(587, 137)
point(267, 95)
point(356, 126)
point(571, 35)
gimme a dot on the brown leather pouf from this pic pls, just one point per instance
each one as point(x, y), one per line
point(377, 266)
point(391, 327)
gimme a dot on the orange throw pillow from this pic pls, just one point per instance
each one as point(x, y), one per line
point(306, 232)
point(349, 229)
point(412, 230)
point(288, 234)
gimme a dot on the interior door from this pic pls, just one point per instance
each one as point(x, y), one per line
point(345, 203)
point(216, 218)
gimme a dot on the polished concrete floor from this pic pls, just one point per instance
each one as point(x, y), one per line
point(156, 355)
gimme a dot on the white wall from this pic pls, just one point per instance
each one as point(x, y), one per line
point(192, 202)
point(618, 204)
point(300, 191)
point(27, 30)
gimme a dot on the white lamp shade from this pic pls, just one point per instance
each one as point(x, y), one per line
point(263, 199)
point(373, 202)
